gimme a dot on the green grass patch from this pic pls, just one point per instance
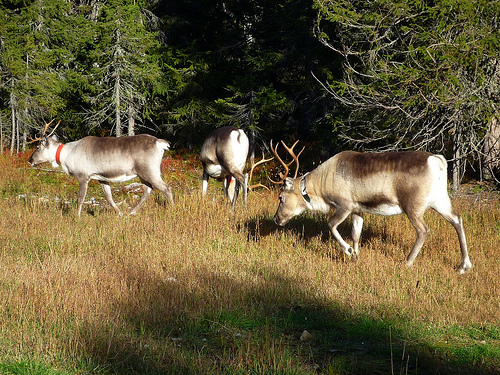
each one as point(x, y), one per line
point(28, 368)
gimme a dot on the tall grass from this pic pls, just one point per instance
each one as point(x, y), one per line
point(198, 289)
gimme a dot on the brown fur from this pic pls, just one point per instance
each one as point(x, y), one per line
point(361, 165)
point(380, 183)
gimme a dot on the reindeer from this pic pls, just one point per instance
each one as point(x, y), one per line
point(107, 160)
point(387, 183)
point(223, 156)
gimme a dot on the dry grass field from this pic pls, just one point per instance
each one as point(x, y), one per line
point(198, 289)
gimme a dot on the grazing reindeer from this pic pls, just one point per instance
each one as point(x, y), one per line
point(224, 155)
point(107, 160)
point(380, 183)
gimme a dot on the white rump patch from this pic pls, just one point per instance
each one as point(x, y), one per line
point(163, 144)
point(438, 195)
point(240, 149)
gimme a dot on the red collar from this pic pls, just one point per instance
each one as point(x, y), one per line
point(58, 153)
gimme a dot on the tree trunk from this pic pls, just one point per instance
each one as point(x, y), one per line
point(17, 135)
point(491, 151)
point(95, 10)
point(25, 139)
point(117, 105)
point(457, 159)
point(13, 133)
point(131, 120)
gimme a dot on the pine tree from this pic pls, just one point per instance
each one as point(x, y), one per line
point(125, 71)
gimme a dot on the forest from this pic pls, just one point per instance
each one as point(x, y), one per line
point(346, 74)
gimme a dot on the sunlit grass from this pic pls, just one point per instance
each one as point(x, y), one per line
point(197, 288)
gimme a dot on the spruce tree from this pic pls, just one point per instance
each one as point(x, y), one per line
point(124, 67)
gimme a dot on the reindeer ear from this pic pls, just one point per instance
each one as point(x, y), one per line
point(288, 183)
point(54, 137)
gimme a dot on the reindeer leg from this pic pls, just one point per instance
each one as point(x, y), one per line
point(245, 188)
point(241, 183)
point(82, 192)
point(417, 220)
point(445, 210)
point(337, 218)
point(459, 228)
point(166, 190)
point(204, 186)
point(147, 189)
point(234, 189)
point(231, 189)
point(157, 183)
point(106, 188)
point(357, 226)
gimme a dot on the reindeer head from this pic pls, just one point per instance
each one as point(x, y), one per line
point(46, 149)
point(291, 202)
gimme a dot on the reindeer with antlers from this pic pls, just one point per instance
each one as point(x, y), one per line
point(353, 183)
point(107, 160)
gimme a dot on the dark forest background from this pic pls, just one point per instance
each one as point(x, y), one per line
point(377, 75)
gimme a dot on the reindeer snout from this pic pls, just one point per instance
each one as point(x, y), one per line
point(279, 221)
point(32, 162)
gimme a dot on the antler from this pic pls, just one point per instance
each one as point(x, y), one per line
point(46, 127)
point(285, 165)
point(45, 131)
point(53, 130)
point(251, 187)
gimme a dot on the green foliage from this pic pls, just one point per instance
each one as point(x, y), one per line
point(253, 109)
point(256, 61)
point(125, 73)
point(416, 74)
point(398, 74)
point(178, 70)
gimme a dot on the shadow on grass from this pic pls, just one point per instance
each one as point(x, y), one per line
point(310, 228)
point(248, 328)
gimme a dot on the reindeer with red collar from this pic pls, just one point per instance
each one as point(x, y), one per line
point(107, 160)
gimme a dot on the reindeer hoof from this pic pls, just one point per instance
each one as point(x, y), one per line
point(351, 254)
point(465, 268)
